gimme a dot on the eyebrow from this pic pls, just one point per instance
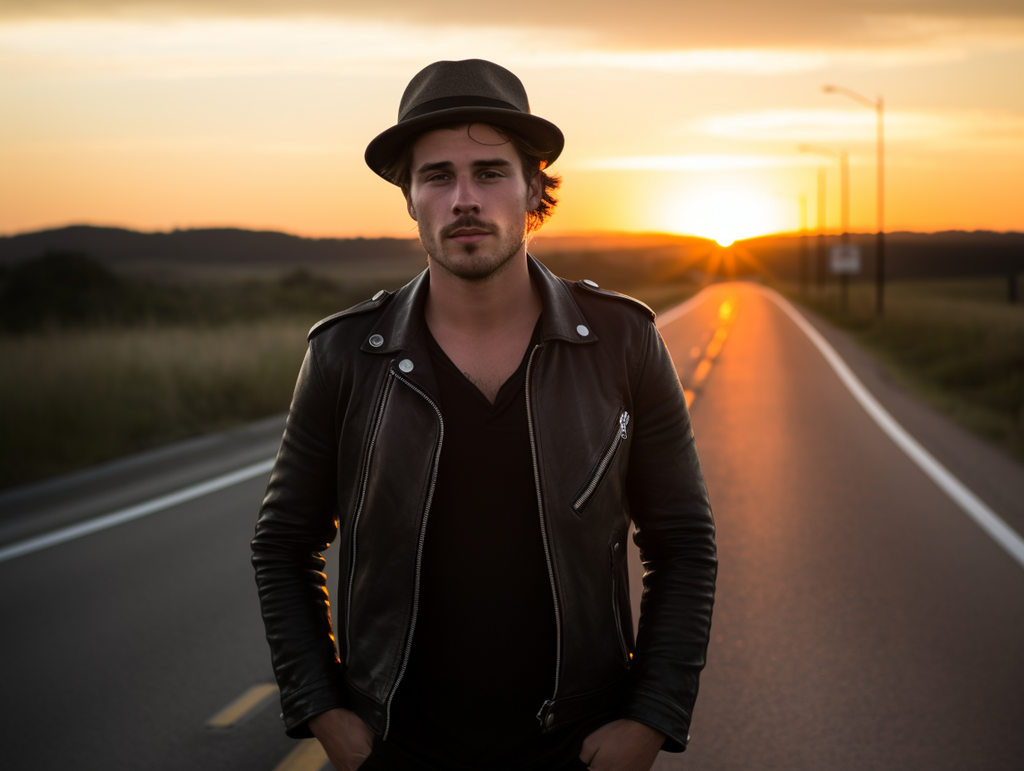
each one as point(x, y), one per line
point(440, 165)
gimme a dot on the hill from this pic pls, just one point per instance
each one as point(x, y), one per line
point(908, 256)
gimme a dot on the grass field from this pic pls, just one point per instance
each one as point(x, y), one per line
point(100, 366)
point(71, 399)
point(957, 343)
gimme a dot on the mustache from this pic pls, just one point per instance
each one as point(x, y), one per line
point(465, 222)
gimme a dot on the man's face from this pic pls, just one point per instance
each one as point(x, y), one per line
point(469, 199)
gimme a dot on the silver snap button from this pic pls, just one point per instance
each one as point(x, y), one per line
point(406, 365)
point(590, 282)
point(376, 341)
point(550, 719)
point(582, 330)
point(615, 548)
point(380, 293)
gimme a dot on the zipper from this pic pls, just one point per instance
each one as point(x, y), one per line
point(602, 466)
point(419, 556)
point(544, 537)
point(359, 511)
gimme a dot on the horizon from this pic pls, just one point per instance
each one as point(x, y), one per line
point(595, 234)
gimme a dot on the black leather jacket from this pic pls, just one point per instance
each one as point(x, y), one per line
point(611, 439)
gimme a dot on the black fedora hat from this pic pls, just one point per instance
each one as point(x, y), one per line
point(468, 90)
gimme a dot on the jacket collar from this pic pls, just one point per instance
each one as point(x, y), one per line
point(400, 325)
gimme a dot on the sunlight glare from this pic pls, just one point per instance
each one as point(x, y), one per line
point(725, 215)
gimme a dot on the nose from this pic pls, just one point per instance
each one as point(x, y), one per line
point(465, 198)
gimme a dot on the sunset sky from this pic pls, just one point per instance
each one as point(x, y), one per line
point(679, 116)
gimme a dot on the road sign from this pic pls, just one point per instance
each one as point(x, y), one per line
point(844, 259)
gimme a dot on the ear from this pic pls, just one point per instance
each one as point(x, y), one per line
point(408, 205)
point(534, 192)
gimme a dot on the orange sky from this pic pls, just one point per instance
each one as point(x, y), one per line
point(192, 114)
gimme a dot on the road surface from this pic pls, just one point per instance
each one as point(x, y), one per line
point(863, 620)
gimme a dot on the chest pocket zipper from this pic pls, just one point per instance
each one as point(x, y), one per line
point(590, 487)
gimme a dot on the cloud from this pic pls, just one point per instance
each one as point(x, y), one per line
point(835, 125)
point(695, 162)
point(200, 47)
point(612, 25)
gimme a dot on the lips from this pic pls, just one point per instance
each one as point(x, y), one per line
point(468, 235)
point(466, 231)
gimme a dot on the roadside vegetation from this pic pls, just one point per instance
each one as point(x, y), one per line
point(98, 364)
point(956, 343)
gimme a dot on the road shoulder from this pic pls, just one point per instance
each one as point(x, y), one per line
point(44, 506)
point(986, 470)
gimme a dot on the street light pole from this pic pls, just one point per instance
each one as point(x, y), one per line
point(879, 108)
point(822, 224)
point(803, 269)
point(842, 159)
point(803, 246)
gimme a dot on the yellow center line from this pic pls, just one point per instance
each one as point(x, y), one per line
point(726, 315)
point(689, 397)
point(715, 346)
point(308, 756)
point(237, 709)
point(701, 372)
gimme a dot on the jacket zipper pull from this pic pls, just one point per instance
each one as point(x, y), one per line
point(623, 422)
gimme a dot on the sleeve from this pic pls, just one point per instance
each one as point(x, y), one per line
point(297, 522)
point(675, 531)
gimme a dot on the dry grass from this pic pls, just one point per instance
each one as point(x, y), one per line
point(71, 399)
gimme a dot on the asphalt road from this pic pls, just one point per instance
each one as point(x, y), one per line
point(863, 621)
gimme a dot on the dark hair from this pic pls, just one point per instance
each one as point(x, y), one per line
point(531, 158)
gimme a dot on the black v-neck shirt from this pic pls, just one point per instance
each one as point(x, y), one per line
point(483, 653)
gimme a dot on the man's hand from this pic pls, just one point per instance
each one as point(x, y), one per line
point(622, 745)
point(344, 737)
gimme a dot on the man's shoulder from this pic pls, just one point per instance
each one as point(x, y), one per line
point(363, 309)
point(592, 293)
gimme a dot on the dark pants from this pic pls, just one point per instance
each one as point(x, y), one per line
point(376, 762)
point(390, 758)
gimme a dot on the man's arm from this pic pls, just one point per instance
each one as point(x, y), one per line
point(297, 522)
point(676, 535)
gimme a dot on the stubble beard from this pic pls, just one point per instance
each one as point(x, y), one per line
point(473, 262)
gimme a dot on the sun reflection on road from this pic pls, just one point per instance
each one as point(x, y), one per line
point(726, 316)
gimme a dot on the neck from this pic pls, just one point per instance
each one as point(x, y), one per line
point(482, 309)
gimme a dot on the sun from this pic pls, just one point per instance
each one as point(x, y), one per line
point(725, 215)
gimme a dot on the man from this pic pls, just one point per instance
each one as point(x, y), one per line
point(480, 439)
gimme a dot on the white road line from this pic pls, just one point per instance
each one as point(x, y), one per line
point(973, 506)
point(666, 318)
point(70, 533)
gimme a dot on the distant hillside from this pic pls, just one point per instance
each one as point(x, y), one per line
point(623, 259)
point(226, 247)
point(907, 255)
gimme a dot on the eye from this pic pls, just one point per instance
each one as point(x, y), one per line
point(440, 176)
point(491, 174)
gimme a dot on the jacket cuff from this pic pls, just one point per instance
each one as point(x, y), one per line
point(299, 708)
point(654, 710)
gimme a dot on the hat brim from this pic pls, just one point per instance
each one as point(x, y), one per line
point(544, 135)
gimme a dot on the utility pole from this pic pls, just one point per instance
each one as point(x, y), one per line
point(879, 108)
point(804, 267)
point(820, 266)
point(843, 159)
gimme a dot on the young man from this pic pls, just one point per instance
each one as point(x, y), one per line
point(481, 439)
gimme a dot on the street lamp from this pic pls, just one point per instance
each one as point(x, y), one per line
point(803, 271)
point(844, 201)
point(879, 109)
